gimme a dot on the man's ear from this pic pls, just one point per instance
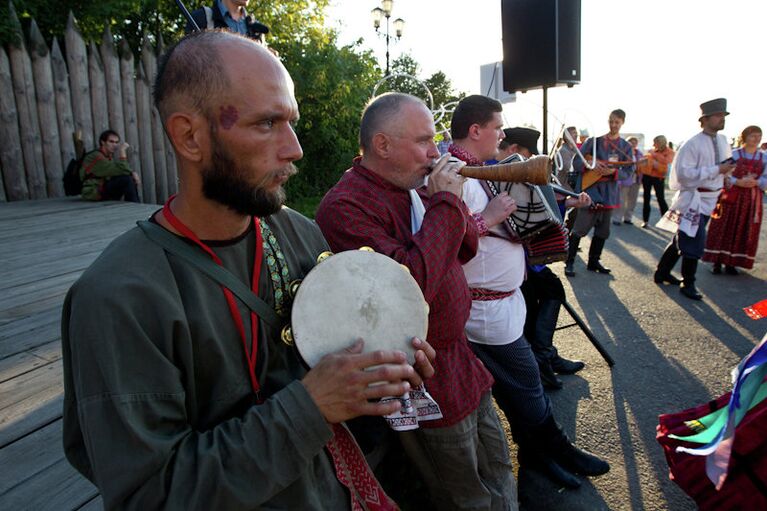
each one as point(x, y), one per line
point(188, 134)
point(381, 145)
point(474, 131)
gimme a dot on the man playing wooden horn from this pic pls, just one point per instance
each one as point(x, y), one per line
point(496, 326)
point(463, 457)
point(178, 396)
point(614, 162)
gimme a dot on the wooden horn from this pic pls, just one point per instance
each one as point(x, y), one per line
point(534, 170)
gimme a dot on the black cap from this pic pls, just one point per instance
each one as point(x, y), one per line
point(256, 27)
point(524, 137)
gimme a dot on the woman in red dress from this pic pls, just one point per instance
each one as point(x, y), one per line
point(733, 234)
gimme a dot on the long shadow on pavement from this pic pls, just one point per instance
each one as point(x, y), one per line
point(641, 391)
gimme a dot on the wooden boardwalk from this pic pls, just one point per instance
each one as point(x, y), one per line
point(44, 246)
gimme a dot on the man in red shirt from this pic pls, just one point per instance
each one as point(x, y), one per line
point(463, 457)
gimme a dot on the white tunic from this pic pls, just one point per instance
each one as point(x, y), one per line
point(499, 265)
point(695, 167)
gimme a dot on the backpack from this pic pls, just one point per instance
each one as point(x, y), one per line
point(73, 185)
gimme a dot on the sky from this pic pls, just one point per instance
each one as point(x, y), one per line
point(655, 59)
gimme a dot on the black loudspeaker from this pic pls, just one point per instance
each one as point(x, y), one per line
point(541, 43)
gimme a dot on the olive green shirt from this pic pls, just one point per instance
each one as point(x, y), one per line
point(99, 168)
point(158, 408)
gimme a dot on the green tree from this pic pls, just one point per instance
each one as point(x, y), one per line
point(127, 19)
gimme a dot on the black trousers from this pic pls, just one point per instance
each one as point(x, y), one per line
point(117, 187)
point(656, 183)
point(544, 294)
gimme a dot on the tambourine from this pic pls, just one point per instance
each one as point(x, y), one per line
point(358, 294)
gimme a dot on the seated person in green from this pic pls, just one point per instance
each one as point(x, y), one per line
point(105, 178)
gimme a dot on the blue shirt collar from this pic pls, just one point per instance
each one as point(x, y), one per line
point(239, 26)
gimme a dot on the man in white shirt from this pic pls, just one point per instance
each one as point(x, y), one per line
point(696, 175)
point(495, 326)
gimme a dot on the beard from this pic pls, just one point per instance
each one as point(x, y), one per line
point(227, 183)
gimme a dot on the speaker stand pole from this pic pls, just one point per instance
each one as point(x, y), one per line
point(545, 120)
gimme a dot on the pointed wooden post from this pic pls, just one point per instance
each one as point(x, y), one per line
point(26, 106)
point(111, 64)
point(98, 93)
point(3, 197)
point(46, 111)
point(170, 155)
point(77, 63)
point(63, 103)
point(158, 136)
point(127, 78)
point(11, 157)
point(144, 119)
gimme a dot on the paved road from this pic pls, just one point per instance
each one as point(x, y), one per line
point(671, 353)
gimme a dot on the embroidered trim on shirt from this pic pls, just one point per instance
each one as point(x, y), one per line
point(278, 270)
point(481, 224)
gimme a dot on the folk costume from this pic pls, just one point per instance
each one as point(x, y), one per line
point(733, 234)
point(605, 197)
point(462, 457)
point(168, 401)
point(496, 333)
point(697, 181)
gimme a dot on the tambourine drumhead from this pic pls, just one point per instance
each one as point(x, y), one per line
point(358, 294)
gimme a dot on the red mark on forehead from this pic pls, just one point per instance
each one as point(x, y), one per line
point(228, 116)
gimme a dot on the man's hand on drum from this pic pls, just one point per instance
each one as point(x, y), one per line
point(340, 384)
point(444, 177)
point(499, 209)
point(581, 201)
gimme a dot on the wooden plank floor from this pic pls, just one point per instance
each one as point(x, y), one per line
point(44, 246)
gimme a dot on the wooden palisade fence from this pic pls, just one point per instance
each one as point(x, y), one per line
point(46, 100)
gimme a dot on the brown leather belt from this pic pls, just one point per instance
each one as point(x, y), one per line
point(709, 189)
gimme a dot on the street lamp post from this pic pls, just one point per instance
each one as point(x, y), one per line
point(377, 15)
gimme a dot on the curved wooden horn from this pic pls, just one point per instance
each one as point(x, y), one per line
point(534, 171)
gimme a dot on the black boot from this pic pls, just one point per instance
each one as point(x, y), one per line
point(572, 250)
point(564, 366)
point(532, 454)
point(595, 252)
point(666, 264)
point(567, 455)
point(528, 458)
point(689, 267)
point(549, 380)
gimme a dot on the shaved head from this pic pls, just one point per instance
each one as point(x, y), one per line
point(193, 74)
point(379, 114)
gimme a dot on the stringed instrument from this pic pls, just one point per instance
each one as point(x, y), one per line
point(591, 175)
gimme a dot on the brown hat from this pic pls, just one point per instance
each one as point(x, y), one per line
point(714, 106)
point(525, 137)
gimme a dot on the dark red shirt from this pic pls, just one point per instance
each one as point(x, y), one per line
point(364, 210)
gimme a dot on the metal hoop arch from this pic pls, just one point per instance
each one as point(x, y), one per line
point(411, 77)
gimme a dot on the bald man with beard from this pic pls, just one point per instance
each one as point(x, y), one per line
point(179, 396)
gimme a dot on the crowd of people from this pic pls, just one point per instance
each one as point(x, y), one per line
point(711, 181)
point(182, 389)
